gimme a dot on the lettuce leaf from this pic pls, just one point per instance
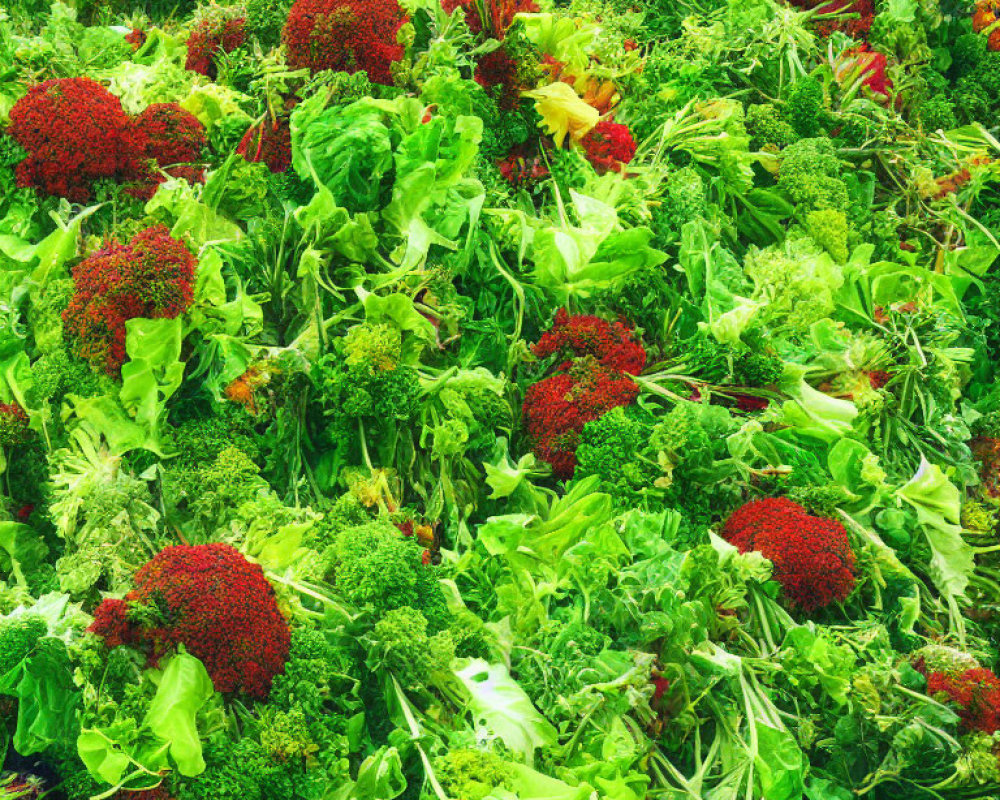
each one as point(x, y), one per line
point(497, 701)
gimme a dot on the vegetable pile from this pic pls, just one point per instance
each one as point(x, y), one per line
point(499, 399)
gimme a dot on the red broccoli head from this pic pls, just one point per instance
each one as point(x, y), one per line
point(269, 142)
point(213, 601)
point(211, 36)
point(75, 133)
point(812, 557)
point(977, 694)
point(594, 380)
point(150, 277)
point(611, 343)
point(608, 146)
point(347, 35)
point(171, 137)
point(556, 409)
point(111, 623)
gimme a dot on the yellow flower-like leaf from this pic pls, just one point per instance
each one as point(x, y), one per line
point(563, 112)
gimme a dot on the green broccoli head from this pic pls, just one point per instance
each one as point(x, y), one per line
point(809, 171)
point(977, 94)
point(968, 51)
point(18, 637)
point(376, 566)
point(612, 448)
point(286, 737)
point(472, 774)
point(378, 348)
point(806, 107)
point(316, 672)
point(401, 644)
point(828, 228)
point(241, 770)
point(265, 20)
point(476, 415)
point(367, 379)
point(684, 199)
point(768, 126)
point(937, 112)
point(57, 373)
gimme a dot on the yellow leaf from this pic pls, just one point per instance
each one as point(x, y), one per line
point(563, 112)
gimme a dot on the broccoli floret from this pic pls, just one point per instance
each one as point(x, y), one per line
point(201, 439)
point(368, 380)
point(612, 448)
point(972, 101)
point(472, 774)
point(241, 770)
point(767, 125)
point(285, 736)
point(227, 482)
point(58, 373)
point(809, 172)
point(265, 20)
point(18, 637)
point(828, 228)
point(316, 673)
point(937, 113)
point(683, 200)
point(476, 415)
point(347, 511)
point(400, 642)
point(977, 94)
point(806, 107)
point(379, 347)
point(967, 52)
point(376, 566)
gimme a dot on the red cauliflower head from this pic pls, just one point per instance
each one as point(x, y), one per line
point(347, 35)
point(812, 557)
point(213, 601)
point(75, 133)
